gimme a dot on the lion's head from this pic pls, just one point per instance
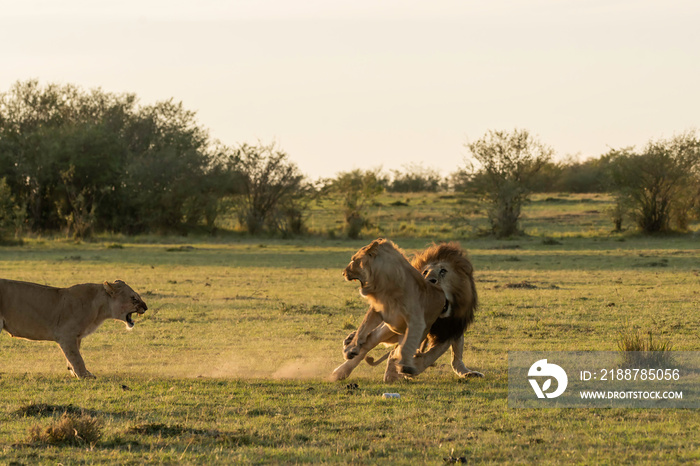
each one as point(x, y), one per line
point(447, 265)
point(124, 302)
point(376, 264)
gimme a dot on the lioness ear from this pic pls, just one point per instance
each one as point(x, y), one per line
point(372, 248)
point(109, 288)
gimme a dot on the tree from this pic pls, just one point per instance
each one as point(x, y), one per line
point(507, 165)
point(660, 186)
point(59, 144)
point(91, 160)
point(167, 165)
point(415, 178)
point(272, 190)
point(357, 189)
point(11, 215)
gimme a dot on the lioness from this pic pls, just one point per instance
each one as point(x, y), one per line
point(399, 297)
point(65, 315)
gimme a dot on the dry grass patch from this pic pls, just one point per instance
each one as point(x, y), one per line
point(645, 351)
point(70, 429)
point(632, 340)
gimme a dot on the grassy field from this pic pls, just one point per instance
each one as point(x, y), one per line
point(229, 363)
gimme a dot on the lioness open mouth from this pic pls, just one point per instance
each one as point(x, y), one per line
point(352, 278)
point(129, 320)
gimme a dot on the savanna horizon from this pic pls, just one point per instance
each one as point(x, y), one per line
point(229, 362)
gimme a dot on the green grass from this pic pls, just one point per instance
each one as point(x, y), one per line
point(445, 216)
point(229, 363)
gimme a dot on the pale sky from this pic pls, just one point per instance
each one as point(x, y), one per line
point(352, 84)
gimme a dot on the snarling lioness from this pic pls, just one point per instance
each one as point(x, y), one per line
point(448, 266)
point(65, 315)
point(399, 297)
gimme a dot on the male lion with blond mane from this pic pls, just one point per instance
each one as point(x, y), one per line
point(65, 315)
point(448, 266)
point(399, 297)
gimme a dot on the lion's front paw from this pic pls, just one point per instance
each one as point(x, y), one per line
point(473, 374)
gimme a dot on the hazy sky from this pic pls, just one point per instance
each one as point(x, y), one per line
point(366, 83)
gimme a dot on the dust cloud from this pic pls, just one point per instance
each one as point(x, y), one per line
point(262, 366)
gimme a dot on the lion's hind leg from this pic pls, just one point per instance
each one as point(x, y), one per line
point(425, 359)
point(457, 364)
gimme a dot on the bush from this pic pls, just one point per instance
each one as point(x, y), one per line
point(273, 192)
point(414, 179)
point(659, 187)
point(358, 189)
point(508, 165)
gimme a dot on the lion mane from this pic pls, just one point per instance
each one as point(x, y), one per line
point(447, 265)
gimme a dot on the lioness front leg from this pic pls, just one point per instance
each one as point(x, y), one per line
point(391, 374)
point(411, 341)
point(371, 321)
point(377, 336)
point(71, 350)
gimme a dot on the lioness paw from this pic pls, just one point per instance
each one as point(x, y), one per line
point(351, 352)
point(348, 339)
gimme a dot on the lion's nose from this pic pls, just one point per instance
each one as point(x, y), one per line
point(433, 281)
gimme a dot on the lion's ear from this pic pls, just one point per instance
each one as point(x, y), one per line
point(109, 288)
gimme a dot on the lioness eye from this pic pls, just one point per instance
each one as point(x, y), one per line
point(443, 272)
point(425, 272)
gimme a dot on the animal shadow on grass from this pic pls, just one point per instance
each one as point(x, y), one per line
point(200, 435)
point(44, 410)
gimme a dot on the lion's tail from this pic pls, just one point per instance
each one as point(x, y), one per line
point(372, 362)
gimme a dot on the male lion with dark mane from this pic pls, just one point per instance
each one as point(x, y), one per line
point(448, 266)
point(65, 315)
point(399, 297)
